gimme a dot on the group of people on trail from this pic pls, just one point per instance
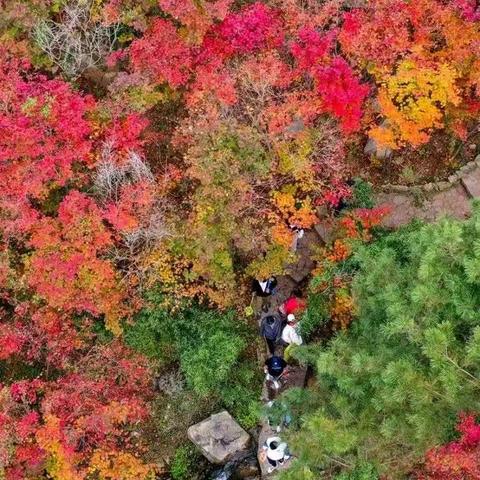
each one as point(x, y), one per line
point(280, 329)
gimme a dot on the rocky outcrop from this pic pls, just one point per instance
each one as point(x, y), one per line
point(220, 438)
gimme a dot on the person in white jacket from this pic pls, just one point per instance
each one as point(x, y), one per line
point(276, 452)
point(290, 334)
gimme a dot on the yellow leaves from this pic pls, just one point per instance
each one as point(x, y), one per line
point(342, 309)
point(161, 267)
point(299, 213)
point(285, 202)
point(273, 263)
point(61, 463)
point(29, 104)
point(204, 212)
point(413, 102)
point(294, 157)
point(108, 465)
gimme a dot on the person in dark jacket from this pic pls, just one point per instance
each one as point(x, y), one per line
point(271, 330)
point(274, 369)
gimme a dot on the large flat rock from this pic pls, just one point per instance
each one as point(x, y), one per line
point(220, 438)
point(403, 209)
point(471, 182)
point(453, 202)
point(300, 270)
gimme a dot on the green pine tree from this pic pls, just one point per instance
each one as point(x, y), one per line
point(392, 386)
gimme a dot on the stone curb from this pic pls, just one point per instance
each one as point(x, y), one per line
point(435, 186)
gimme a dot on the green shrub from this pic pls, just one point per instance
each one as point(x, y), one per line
point(241, 393)
point(364, 471)
point(316, 315)
point(210, 348)
point(208, 364)
point(183, 463)
point(362, 195)
point(152, 332)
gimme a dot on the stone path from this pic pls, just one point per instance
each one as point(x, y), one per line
point(301, 269)
point(451, 198)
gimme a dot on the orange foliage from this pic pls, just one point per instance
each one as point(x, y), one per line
point(119, 466)
point(342, 309)
point(63, 460)
point(282, 235)
point(339, 252)
point(298, 213)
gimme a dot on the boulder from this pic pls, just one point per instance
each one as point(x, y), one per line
point(471, 182)
point(220, 438)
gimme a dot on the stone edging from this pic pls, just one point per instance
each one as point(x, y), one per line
point(435, 186)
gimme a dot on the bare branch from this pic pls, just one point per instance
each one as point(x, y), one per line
point(76, 42)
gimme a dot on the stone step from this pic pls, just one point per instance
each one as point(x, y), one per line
point(302, 268)
point(266, 432)
point(324, 231)
point(471, 182)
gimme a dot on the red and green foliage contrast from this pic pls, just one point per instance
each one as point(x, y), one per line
point(179, 156)
point(458, 460)
point(278, 93)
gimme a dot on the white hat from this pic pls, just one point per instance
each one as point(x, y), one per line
point(290, 317)
point(276, 453)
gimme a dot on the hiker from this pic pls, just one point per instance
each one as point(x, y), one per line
point(290, 335)
point(274, 369)
point(271, 330)
point(295, 304)
point(264, 288)
point(276, 452)
point(297, 235)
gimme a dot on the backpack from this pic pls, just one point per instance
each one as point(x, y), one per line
point(271, 327)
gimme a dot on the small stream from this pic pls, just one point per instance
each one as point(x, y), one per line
point(246, 469)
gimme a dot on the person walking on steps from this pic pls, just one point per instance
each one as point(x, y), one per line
point(275, 368)
point(291, 335)
point(271, 330)
point(264, 288)
point(275, 452)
